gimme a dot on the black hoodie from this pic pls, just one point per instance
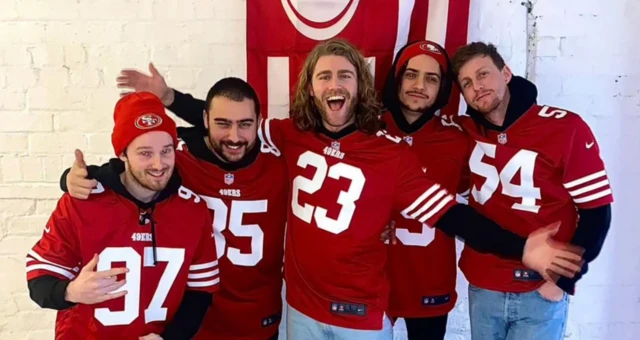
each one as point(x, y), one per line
point(50, 291)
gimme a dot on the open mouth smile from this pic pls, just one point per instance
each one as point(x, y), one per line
point(336, 102)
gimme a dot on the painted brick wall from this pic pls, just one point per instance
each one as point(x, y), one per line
point(59, 60)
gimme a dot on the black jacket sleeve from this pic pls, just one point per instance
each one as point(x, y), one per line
point(189, 316)
point(188, 108)
point(592, 230)
point(481, 233)
point(49, 292)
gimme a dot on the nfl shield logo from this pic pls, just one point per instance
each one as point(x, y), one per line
point(228, 179)
point(502, 138)
point(409, 140)
point(335, 145)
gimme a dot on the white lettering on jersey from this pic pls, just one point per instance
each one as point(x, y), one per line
point(144, 237)
point(134, 262)
point(384, 133)
point(230, 192)
point(557, 113)
point(188, 194)
point(235, 215)
point(329, 151)
point(347, 199)
point(523, 162)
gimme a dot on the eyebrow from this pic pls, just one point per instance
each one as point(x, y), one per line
point(141, 148)
point(339, 72)
point(223, 120)
point(429, 73)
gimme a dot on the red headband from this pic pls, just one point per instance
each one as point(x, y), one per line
point(422, 47)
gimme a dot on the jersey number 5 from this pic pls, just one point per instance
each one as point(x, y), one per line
point(524, 161)
point(238, 209)
point(347, 199)
point(174, 257)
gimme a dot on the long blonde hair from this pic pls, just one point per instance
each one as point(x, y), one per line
point(305, 114)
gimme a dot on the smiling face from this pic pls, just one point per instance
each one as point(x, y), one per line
point(150, 160)
point(420, 84)
point(334, 88)
point(232, 127)
point(483, 84)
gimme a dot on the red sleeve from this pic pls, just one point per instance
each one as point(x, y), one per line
point(204, 274)
point(418, 197)
point(585, 177)
point(272, 135)
point(56, 253)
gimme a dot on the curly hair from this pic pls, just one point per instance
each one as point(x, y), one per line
point(306, 115)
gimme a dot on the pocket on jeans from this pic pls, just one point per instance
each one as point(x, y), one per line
point(541, 297)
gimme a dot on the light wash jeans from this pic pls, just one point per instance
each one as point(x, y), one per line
point(516, 316)
point(302, 327)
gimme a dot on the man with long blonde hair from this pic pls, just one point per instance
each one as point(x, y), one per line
point(347, 179)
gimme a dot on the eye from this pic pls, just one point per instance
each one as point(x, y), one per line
point(167, 151)
point(345, 76)
point(432, 79)
point(145, 153)
point(410, 75)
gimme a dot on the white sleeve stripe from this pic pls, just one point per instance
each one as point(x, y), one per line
point(41, 259)
point(585, 179)
point(589, 188)
point(203, 283)
point(593, 197)
point(203, 275)
point(51, 268)
point(267, 143)
point(422, 197)
point(436, 209)
point(429, 203)
point(203, 265)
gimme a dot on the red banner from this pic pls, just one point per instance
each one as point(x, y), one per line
point(280, 34)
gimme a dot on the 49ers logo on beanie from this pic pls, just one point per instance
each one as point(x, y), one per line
point(148, 121)
point(136, 114)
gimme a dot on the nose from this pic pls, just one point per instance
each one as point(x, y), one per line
point(233, 133)
point(419, 83)
point(156, 162)
point(477, 86)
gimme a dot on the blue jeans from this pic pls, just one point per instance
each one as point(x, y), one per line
point(302, 327)
point(516, 316)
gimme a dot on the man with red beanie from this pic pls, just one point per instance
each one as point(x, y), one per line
point(418, 86)
point(136, 260)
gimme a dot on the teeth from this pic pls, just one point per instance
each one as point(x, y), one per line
point(335, 98)
point(234, 147)
point(156, 173)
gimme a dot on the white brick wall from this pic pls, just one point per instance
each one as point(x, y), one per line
point(59, 60)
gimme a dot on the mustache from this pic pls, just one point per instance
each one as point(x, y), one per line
point(417, 93)
point(230, 143)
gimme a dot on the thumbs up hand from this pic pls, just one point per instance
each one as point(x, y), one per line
point(92, 287)
point(77, 183)
point(139, 82)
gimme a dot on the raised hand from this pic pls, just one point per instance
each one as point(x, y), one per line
point(77, 183)
point(389, 233)
point(151, 336)
point(132, 79)
point(551, 258)
point(92, 287)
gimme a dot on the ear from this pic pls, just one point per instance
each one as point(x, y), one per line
point(205, 118)
point(311, 94)
point(506, 72)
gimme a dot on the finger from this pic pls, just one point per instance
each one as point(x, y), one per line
point(112, 272)
point(91, 265)
point(111, 296)
point(125, 85)
point(392, 224)
point(551, 276)
point(114, 286)
point(569, 253)
point(152, 69)
point(125, 93)
point(567, 265)
point(79, 161)
point(562, 271)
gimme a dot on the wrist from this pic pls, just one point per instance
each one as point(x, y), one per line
point(68, 293)
point(167, 97)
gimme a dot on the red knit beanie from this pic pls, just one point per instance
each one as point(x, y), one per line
point(136, 114)
point(425, 47)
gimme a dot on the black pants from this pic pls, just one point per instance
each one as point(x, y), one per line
point(426, 328)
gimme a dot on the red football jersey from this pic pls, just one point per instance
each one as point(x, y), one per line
point(537, 172)
point(108, 224)
point(343, 193)
point(249, 208)
point(422, 265)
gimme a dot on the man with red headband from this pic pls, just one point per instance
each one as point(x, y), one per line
point(136, 259)
point(419, 85)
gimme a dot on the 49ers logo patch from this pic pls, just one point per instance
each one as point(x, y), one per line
point(148, 121)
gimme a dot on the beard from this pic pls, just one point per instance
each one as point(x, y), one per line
point(147, 181)
point(339, 117)
point(220, 150)
point(486, 108)
point(415, 108)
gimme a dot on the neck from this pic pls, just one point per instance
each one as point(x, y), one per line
point(140, 193)
point(333, 128)
point(498, 114)
point(411, 116)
